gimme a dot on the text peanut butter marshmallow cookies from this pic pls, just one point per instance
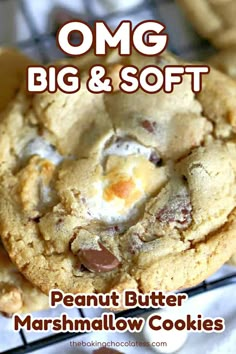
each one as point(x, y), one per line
point(116, 191)
point(213, 19)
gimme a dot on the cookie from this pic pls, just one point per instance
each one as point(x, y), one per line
point(213, 19)
point(232, 260)
point(225, 61)
point(13, 66)
point(16, 293)
point(117, 191)
point(105, 350)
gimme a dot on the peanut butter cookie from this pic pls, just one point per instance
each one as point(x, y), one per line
point(116, 191)
point(16, 293)
point(213, 19)
point(225, 61)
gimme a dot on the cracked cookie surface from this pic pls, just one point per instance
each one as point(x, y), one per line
point(16, 293)
point(116, 191)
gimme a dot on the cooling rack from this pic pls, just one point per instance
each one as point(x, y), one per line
point(182, 41)
point(42, 343)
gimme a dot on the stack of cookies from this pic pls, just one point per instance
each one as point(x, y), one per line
point(114, 191)
point(215, 21)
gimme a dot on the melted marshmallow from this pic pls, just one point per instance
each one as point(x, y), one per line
point(129, 179)
point(126, 148)
point(41, 147)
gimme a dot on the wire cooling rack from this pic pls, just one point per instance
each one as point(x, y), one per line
point(42, 343)
point(41, 45)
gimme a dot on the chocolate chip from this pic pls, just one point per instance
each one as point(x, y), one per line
point(81, 267)
point(149, 126)
point(113, 229)
point(35, 219)
point(59, 221)
point(98, 260)
point(7, 315)
point(135, 243)
point(155, 159)
point(118, 141)
point(178, 211)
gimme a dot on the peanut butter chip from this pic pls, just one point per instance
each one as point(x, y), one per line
point(98, 260)
point(10, 298)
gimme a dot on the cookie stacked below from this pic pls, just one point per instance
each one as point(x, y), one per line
point(116, 191)
point(16, 293)
point(215, 20)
